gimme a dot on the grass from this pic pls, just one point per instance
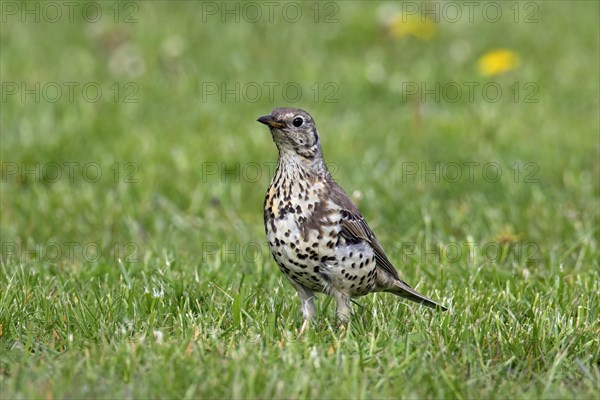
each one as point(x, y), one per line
point(154, 280)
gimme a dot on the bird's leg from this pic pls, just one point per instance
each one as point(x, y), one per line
point(308, 305)
point(343, 305)
point(308, 311)
point(304, 327)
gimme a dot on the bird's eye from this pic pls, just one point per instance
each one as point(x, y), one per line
point(298, 121)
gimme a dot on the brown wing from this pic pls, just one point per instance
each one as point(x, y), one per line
point(355, 229)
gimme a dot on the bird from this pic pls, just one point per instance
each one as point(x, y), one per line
point(316, 234)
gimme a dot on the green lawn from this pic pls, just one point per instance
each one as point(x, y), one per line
point(134, 262)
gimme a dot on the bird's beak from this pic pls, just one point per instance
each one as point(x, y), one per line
point(270, 121)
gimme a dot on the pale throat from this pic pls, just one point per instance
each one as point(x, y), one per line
point(292, 165)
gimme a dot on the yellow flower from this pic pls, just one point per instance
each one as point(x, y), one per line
point(497, 61)
point(507, 235)
point(401, 25)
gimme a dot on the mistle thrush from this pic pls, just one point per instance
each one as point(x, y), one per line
point(316, 234)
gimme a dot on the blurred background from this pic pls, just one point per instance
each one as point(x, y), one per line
point(161, 100)
point(131, 153)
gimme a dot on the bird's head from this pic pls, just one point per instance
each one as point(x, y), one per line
point(294, 132)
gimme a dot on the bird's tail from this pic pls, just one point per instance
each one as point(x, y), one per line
point(403, 290)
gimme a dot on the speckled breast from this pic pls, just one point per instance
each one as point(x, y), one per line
point(303, 230)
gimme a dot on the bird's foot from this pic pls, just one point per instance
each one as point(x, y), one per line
point(343, 328)
point(304, 327)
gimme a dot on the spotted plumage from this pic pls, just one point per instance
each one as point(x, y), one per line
point(316, 234)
